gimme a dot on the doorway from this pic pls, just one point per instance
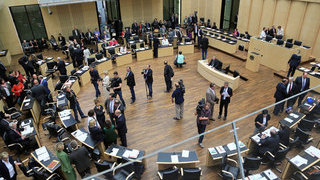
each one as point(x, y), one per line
point(229, 14)
point(171, 7)
point(108, 12)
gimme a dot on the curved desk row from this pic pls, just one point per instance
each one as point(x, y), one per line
point(216, 76)
point(225, 46)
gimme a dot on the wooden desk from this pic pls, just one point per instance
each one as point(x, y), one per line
point(43, 67)
point(67, 120)
point(62, 101)
point(69, 68)
point(165, 51)
point(186, 48)
point(305, 53)
point(144, 54)
point(124, 59)
point(122, 153)
point(216, 76)
point(50, 83)
point(45, 164)
point(73, 83)
point(225, 46)
point(307, 107)
point(164, 160)
point(291, 167)
point(314, 80)
point(295, 117)
point(5, 58)
point(84, 76)
point(102, 66)
point(267, 174)
point(27, 124)
point(214, 156)
point(254, 140)
point(1, 105)
point(31, 104)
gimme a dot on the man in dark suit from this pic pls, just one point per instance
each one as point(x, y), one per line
point(74, 104)
point(121, 127)
point(195, 32)
point(131, 83)
point(284, 135)
point(78, 53)
point(270, 144)
point(261, 122)
point(134, 27)
point(280, 95)
point(24, 62)
point(303, 84)
point(104, 45)
point(226, 94)
point(89, 36)
point(3, 71)
point(291, 90)
point(80, 157)
point(156, 44)
point(204, 46)
point(116, 85)
point(148, 77)
point(168, 74)
point(61, 66)
point(294, 62)
point(72, 54)
point(4, 125)
point(76, 34)
point(61, 40)
point(39, 92)
point(14, 136)
point(8, 167)
point(109, 105)
point(94, 74)
point(200, 34)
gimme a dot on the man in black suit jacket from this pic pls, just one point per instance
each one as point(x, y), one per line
point(294, 62)
point(291, 90)
point(94, 74)
point(280, 95)
point(80, 157)
point(61, 40)
point(261, 122)
point(226, 94)
point(3, 71)
point(168, 74)
point(121, 127)
point(39, 92)
point(78, 53)
point(148, 77)
point(89, 36)
point(303, 84)
point(270, 144)
point(5, 173)
point(4, 126)
point(72, 54)
point(14, 136)
point(284, 135)
point(156, 44)
point(134, 27)
point(131, 83)
point(76, 34)
point(204, 46)
point(74, 104)
point(199, 34)
point(109, 105)
point(61, 66)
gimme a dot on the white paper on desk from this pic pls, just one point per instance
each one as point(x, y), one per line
point(256, 138)
point(44, 157)
point(185, 153)
point(134, 153)
point(255, 177)
point(24, 123)
point(231, 146)
point(294, 115)
point(27, 130)
point(61, 96)
point(27, 100)
point(82, 137)
point(288, 120)
point(41, 150)
point(220, 149)
point(312, 151)
point(26, 104)
point(174, 158)
point(270, 174)
point(126, 154)
point(114, 151)
point(65, 118)
point(298, 160)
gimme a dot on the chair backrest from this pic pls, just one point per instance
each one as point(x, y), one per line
point(63, 78)
point(315, 176)
point(133, 46)
point(171, 175)
point(102, 166)
point(141, 45)
point(251, 163)
point(290, 40)
point(227, 69)
point(281, 154)
point(91, 60)
point(303, 136)
point(73, 71)
point(298, 43)
point(306, 125)
point(191, 174)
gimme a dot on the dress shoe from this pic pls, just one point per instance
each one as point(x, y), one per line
point(175, 118)
point(132, 102)
point(212, 119)
point(224, 118)
point(219, 117)
point(201, 145)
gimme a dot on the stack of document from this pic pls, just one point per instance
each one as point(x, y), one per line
point(220, 149)
point(65, 113)
point(27, 130)
point(298, 160)
point(288, 120)
point(185, 153)
point(114, 151)
point(25, 123)
point(256, 177)
point(294, 115)
point(314, 152)
point(134, 153)
point(213, 151)
point(232, 146)
point(42, 154)
point(174, 158)
point(81, 136)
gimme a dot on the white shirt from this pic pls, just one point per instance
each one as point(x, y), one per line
point(9, 167)
point(225, 93)
point(280, 32)
point(289, 87)
point(123, 50)
point(105, 81)
point(86, 53)
point(165, 42)
point(94, 118)
point(111, 106)
point(263, 34)
point(264, 120)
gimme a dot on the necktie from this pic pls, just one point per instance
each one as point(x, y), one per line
point(17, 132)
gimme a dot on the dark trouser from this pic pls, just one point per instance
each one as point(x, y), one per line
point(301, 97)
point(123, 138)
point(199, 40)
point(150, 88)
point(96, 87)
point(120, 96)
point(168, 83)
point(155, 52)
point(279, 107)
point(84, 173)
point(292, 69)
point(179, 65)
point(201, 129)
point(204, 54)
point(73, 60)
point(225, 104)
point(111, 116)
point(211, 107)
point(291, 102)
point(133, 96)
point(77, 109)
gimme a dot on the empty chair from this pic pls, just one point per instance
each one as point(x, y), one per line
point(279, 36)
point(73, 72)
point(304, 137)
point(275, 159)
point(289, 45)
point(98, 57)
point(280, 42)
point(169, 174)
point(290, 40)
point(141, 45)
point(104, 165)
point(228, 171)
point(191, 173)
point(51, 67)
point(306, 125)
point(251, 163)
point(90, 60)
point(125, 172)
point(269, 38)
point(298, 43)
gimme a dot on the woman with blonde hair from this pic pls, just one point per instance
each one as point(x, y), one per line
point(8, 167)
point(66, 166)
point(105, 82)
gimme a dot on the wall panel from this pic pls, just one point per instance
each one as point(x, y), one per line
point(311, 23)
point(295, 19)
point(244, 15)
point(281, 13)
point(255, 16)
point(267, 14)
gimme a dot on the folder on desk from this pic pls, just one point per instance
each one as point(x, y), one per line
point(221, 150)
point(213, 151)
point(53, 164)
point(174, 158)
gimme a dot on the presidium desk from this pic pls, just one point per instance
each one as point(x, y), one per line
point(216, 76)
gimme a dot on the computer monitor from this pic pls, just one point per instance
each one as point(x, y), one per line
point(280, 42)
point(236, 73)
point(217, 64)
point(290, 40)
point(133, 46)
point(298, 43)
point(279, 36)
point(91, 60)
point(288, 45)
point(63, 78)
point(268, 38)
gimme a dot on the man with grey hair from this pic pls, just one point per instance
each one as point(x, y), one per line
point(226, 93)
point(211, 99)
point(78, 55)
point(61, 66)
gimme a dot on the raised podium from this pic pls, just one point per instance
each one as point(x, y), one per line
point(253, 61)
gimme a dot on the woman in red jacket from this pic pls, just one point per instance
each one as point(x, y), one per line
point(17, 90)
point(20, 77)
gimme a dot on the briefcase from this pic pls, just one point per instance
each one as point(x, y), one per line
point(99, 56)
point(241, 47)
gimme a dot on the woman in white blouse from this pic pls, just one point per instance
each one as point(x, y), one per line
point(86, 55)
point(165, 41)
point(105, 83)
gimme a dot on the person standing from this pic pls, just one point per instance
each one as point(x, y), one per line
point(66, 166)
point(116, 84)
point(105, 82)
point(195, 32)
point(61, 66)
point(3, 71)
point(121, 127)
point(5, 93)
point(8, 169)
point(303, 84)
point(94, 74)
point(202, 121)
point(168, 74)
point(109, 105)
point(148, 77)
point(294, 62)
point(199, 34)
point(177, 95)
point(226, 94)
point(99, 111)
point(110, 135)
point(131, 83)
point(80, 157)
point(261, 122)
point(204, 46)
point(291, 90)
point(280, 95)
point(78, 52)
point(74, 104)
point(86, 55)
point(211, 99)
point(156, 44)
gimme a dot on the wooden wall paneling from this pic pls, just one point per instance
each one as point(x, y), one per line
point(217, 11)
point(126, 10)
point(281, 13)
point(316, 46)
point(244, 15)
point(255, 14)
point(148, 11)
point(295, 19)
point(157, 9)
point(137, 11)
point(267, 13)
